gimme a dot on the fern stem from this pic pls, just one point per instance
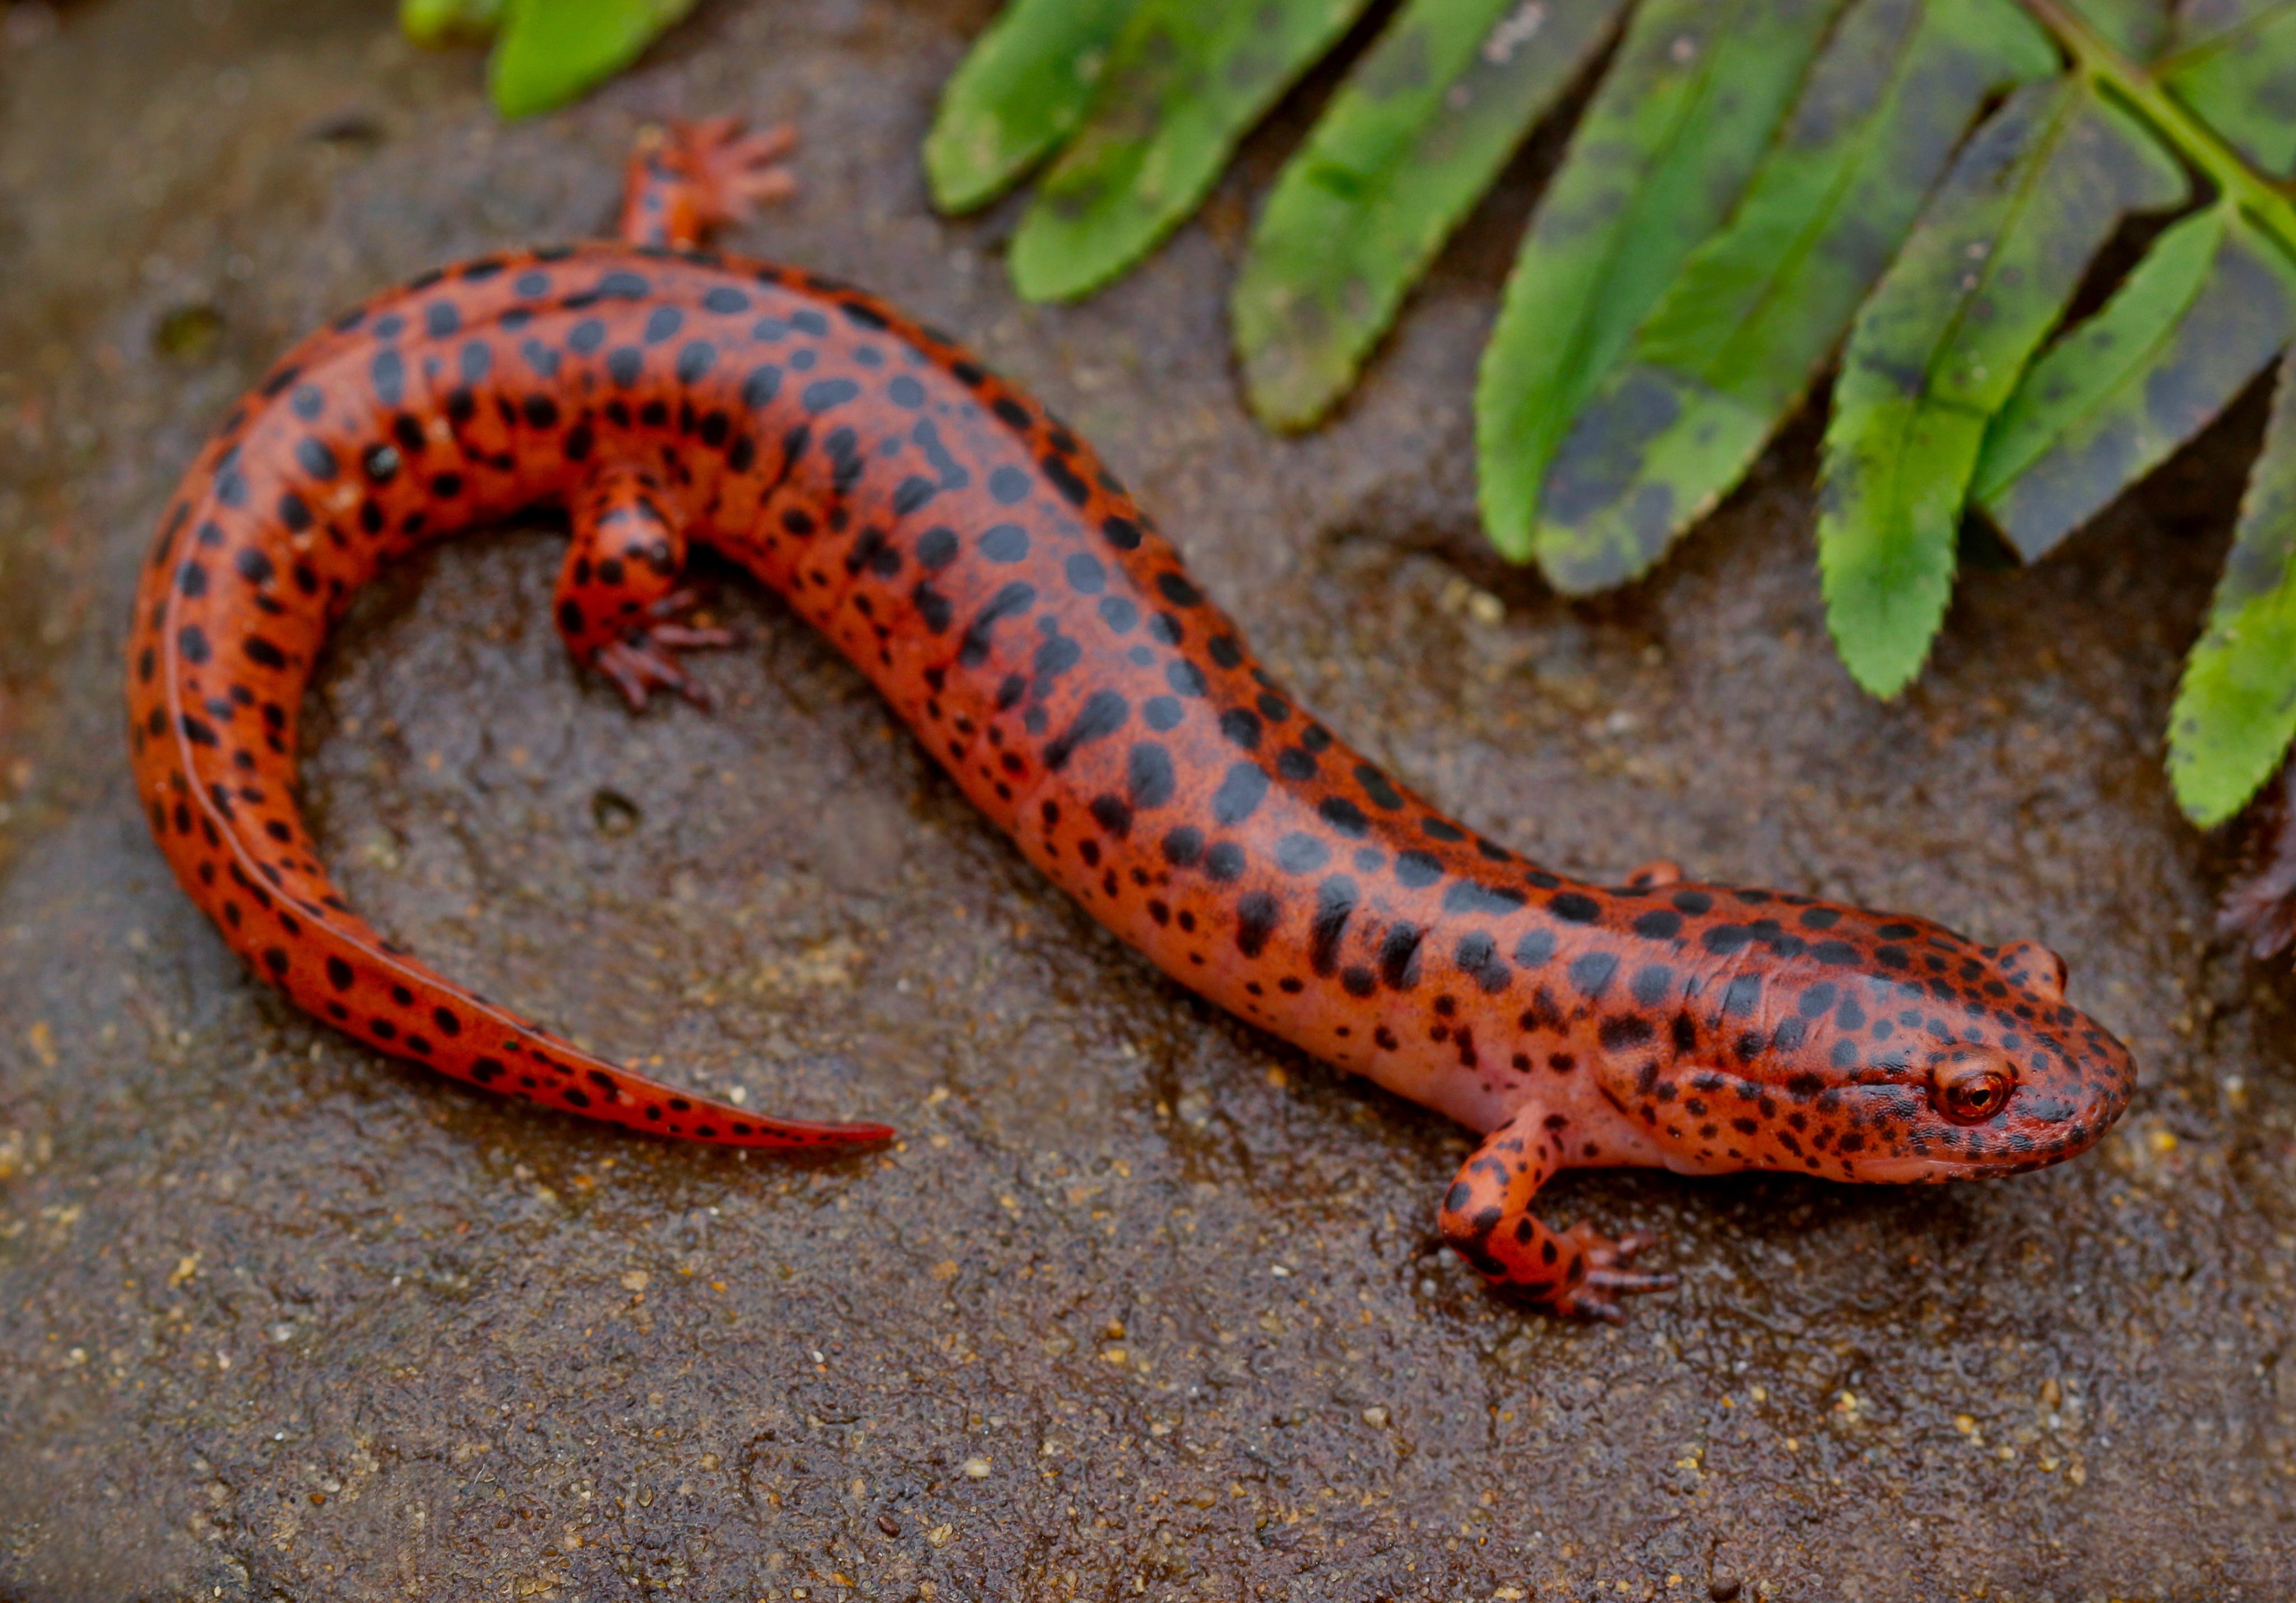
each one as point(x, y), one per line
point(2094, 58)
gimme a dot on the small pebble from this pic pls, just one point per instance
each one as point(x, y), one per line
point(889, 1524)
point(1722, 1589)
point(188, 333)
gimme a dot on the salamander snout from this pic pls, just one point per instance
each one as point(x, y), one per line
point(2039, 1086)
point(1877, 1047)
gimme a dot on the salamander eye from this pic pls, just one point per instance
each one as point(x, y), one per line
point(1970, 1088)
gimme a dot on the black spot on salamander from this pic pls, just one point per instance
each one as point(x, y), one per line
point(1240, 793)
point(1257, 913)
point(1012, 599)
point(1150, 776)
point(1591, 972)
point(1398, 956)
point(1103, 713)
point(1335, 904)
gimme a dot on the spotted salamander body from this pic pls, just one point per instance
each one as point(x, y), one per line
point(1028, 621)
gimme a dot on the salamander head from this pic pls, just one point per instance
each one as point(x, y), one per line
point(1886, 1049)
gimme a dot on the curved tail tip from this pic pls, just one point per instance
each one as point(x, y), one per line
point(788, 1133)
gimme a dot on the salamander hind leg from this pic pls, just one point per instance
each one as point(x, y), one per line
point(690, 177)
point(1486, 1220)
point(620, 606)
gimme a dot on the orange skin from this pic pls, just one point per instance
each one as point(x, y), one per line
point(1024, 616)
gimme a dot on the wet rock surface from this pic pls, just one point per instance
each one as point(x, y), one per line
point(1145, 1304)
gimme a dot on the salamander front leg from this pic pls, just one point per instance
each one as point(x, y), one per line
point(619, 603)
point(1486, 1220)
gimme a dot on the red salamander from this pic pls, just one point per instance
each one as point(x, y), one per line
point(1028, 621)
